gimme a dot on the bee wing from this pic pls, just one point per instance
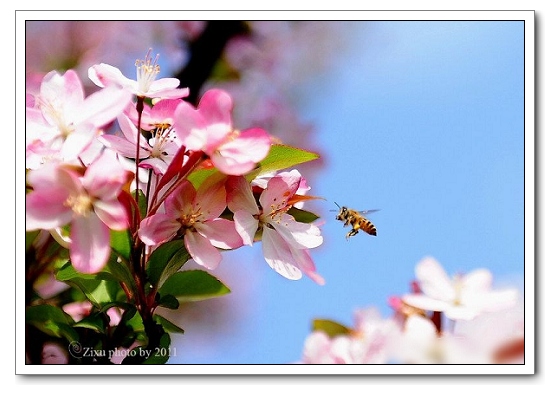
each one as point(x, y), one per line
point(369, 211)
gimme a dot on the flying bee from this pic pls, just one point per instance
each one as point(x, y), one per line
point(356, 219)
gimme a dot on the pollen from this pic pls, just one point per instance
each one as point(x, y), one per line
point(80, 204)
point(147, 70)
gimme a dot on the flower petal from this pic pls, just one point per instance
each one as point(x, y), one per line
point(425, 302)
point(157, 229)
point(104, 75)
point(180, 201)
point(190, 127)
point(278, 255)
point(105, 177)
point(202, 252)
point(211, 198)
point(279, 190)
point(306, 265)
point(246, 226)
point(112, 214)
point(220, 232)
point(298, 234)
point(90, 244)
point(433, 280)
point(122, 146)
point(239, 195)
point(103, 106)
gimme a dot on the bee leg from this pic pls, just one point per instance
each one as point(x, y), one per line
point(351, 233)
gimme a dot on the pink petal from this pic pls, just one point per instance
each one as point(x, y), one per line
point(180, 201)
point(112, 214)
point(200, 249)
point(229, 163)
point(239, 195)
point(220, 233)
point(157, 165)
point(211, 198)
point(254, 143)
point(479, 280)
point(122, 146)
point(157, 229)
point(103, 106)
point(129, 130)
point(190, 127)
point(45, 209)
point(105, 177)
point(45, 205)
point(104, 74)
point(63, 89)
point(433, 280)
point(425, 303)
point(216, 106)
point(279, 190)
point(278, 255)
point(90, 244)
point(77, 141)
point(298, 234)
point(492, 300)
point(246, 226)
point(306, 265)
point(167, 88)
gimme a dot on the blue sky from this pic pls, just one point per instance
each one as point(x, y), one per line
point(424, 121)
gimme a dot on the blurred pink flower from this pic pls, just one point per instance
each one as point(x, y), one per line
point(369, 343)
point(58, 45)
point(145, 84)
point(285, 241)
point(63, 123)
point(463, 297)
point(194, 214)
point(78, 310)
point(61, 196)
point(54, 354)
point(420, 343)
point(210, 128)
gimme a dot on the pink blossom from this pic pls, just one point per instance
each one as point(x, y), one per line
point(156, 153)
point(285, 241)
point(210, 128)
point(370, 342)
point(145, 84)
point(462, 297)
point(420, 343)
point(60, 196)
point(54, 354)
point(194, 214)
point(63, 122)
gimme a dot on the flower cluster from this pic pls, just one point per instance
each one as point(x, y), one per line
point(462, 320)
point(130, 175)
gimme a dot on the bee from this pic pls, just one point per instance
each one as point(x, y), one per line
point(356, 219)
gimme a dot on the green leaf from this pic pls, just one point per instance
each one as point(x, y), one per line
point(168, 326)
point(95, 322)
point(281, 157)
point(302, 215)
point(120, 271)
point(121, 243)
point(166, 260)
point(331, 328)
point(193, 285)
point(169, 301)
point(29, 238)
point(51, 320)
point(160, 354)
point(100, 288)
point(199, 176)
